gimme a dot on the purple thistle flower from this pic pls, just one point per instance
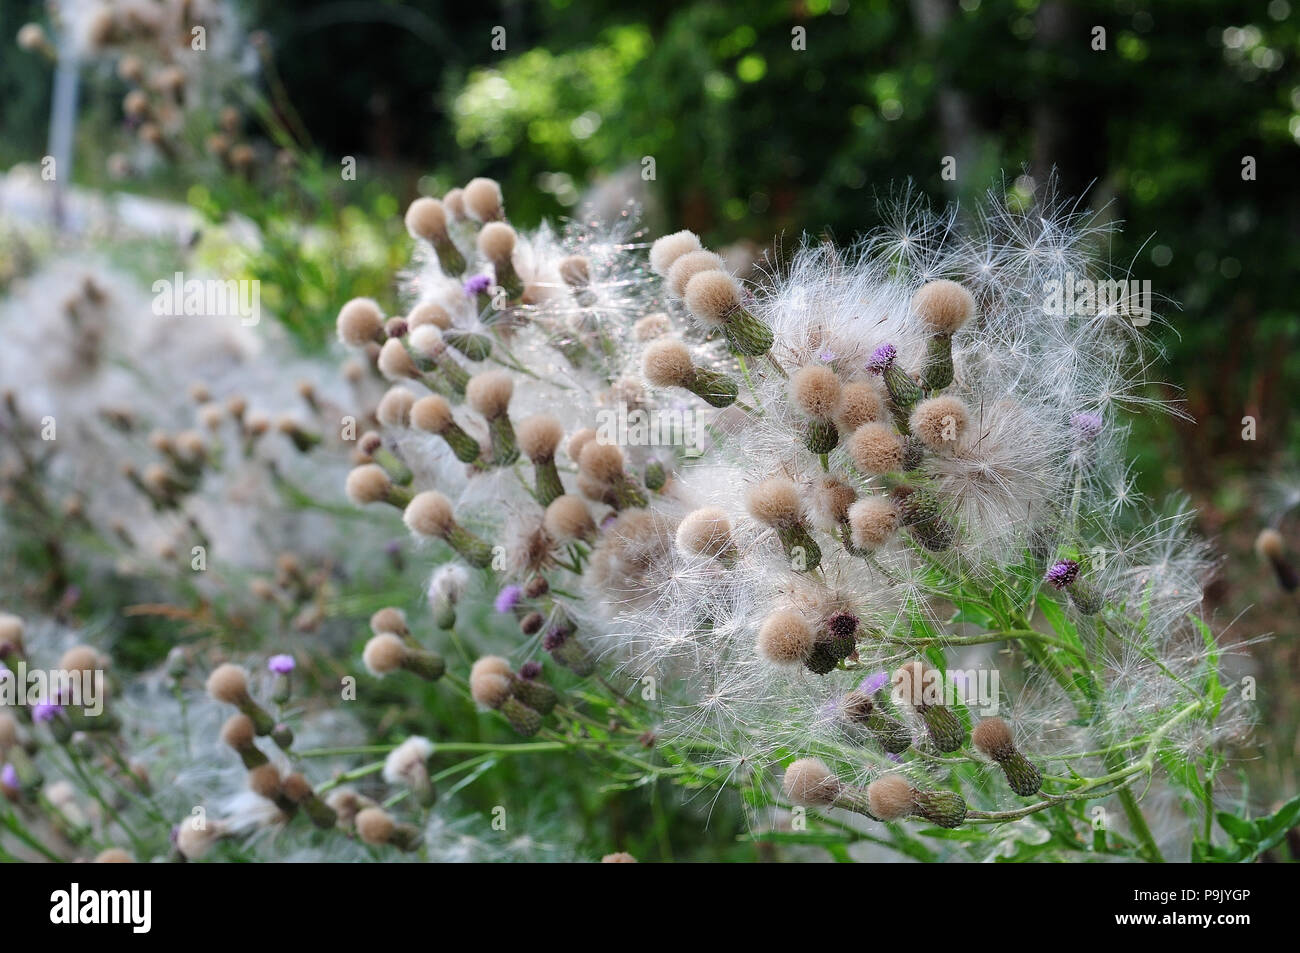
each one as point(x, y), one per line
point(874, 683)
point(9, 776)
point(43, 712)
point(530, 670)
point(896, 758)
point(477, 285)
point(1087, 426)
point(882, 357)
point(554, 639)
point(281, 664)
point(826, 356)
point(508, 598)
point(1062, 573)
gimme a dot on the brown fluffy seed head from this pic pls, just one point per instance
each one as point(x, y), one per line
point(454, 203)
point(575, 271)
point(114, 855)
point(912, 683)
point(265, 780)
point(808, 781)
point(490, 664)
point(427, 341)
point(238, 732)
point(943, 306)
point(622, 857)
point(815, 390)
point(394, 363)
point(427, 219)
point(428, 314)
point(489, 393)
point(482, 198)
point(602, 462)
point(568, 518)
point(688, 266)
point(993, 737)
point(889, 797)
point(705, 532)
point(539, 436)
point(875, 449)
point(368, 483)
point(652, 326)
point(669, 248)
point(375, 825)
point(431, 414)
point(389, 619)
point(940, 422)
point(429, 514)
point(774, 502)
point(872, 521)
point(578, 441)
point(712, 296)
point(228, 684)
point(384, 653)
point(785, 638)
point(394, 408)
point(360, 322)
point(79, 658)
point(489, 689)
point(496, 241)
point(829, 502)
point(860, 403)
point(296, 788)
point(668, 363)
point(1270, 545)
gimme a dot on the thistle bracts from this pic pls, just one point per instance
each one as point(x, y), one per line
point(923, 689)
point(534, 693)
point(921, 512)
point(746, 334)
point(993, 737)
point(656, 476)
point(565, 647)
point(822, 436)
point(464, 447)
point(936, 373)
point(474, 550)
point(475, 347)
point(505, 449)
point(800, 548)
point(860, 709)
point(713, 387)
point(546, 482)
point(941, 808)
point(523, 719)
point(1067, 574)
point(903, 391)
point(299, 791)
point(450, 260)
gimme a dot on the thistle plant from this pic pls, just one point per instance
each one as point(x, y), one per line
point(909, 469)
point(898, 578)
